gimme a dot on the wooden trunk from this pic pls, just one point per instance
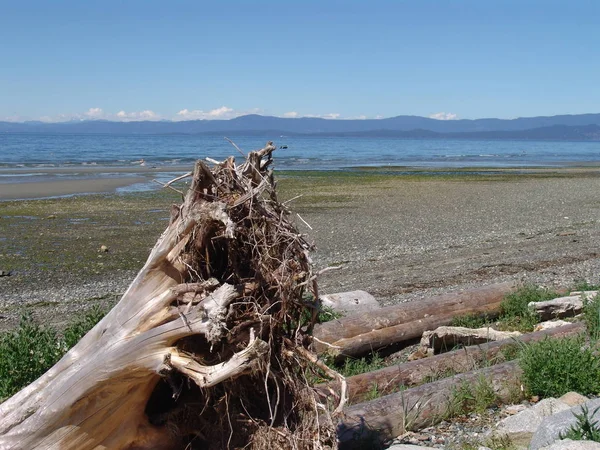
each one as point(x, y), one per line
point(357, 335)
point(412, 373)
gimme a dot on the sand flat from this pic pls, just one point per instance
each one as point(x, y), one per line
point(56, 188)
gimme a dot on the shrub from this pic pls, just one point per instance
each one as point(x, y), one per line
point(26, 353)
point(553, 367)
point(31, 349)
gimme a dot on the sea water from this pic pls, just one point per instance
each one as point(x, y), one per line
point(23, 156)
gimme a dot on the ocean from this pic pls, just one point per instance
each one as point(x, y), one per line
point(28, 155)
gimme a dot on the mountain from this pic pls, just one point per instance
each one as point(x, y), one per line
point(564, 127)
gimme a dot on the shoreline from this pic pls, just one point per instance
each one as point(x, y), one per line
point(98, 179)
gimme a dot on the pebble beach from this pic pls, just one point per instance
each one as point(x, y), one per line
point(401, 238)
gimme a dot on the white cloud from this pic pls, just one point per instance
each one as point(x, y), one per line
point(94, 113)
point(219, 113)
point(137, 115)
point(291, 115)
point(444, 116)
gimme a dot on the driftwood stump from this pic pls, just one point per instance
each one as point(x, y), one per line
point(206, 349)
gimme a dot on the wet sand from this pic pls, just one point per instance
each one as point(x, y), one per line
point(59, 188)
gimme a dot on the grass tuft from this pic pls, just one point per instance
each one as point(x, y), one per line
point(553, 367)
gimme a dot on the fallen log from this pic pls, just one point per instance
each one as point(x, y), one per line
point(390, 416)
point(360, 334)
point(207, 343)
point(446, 338)
point(412, 373)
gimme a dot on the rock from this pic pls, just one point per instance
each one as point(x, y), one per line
point(521, 427)
point(558, 307)
point(573, 399)
point(550, 324)
point(406, 447)
point(515, 409)
point(446, 338)
point(551, 427)
point(103, 249)
point(587, 295)
point(568, 444)
point(5, 273)
point(51, 216)
point(353, 302)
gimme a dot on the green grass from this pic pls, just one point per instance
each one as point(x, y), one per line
point(553, 367)
point(591, 317)
point(470, 397)
point(471, 321)
point(584, 285)
point(31, 349)
point(352, 367)
point(515, 315)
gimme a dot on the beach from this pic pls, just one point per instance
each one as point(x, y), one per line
point(399, 237)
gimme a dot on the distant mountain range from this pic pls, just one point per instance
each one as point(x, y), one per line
point(581, 127)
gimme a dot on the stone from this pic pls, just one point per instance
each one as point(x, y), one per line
point(550, 324)
point(551, 427)
point(352, 302)
point(568, 444)
point(446, 338)
point(406, 447)
point(51, 216)
point(515, 409)
point(5, 273)
point(587, 295)
point(103, 249)
point(558, 307)
point(521, 427)
point(573, 399)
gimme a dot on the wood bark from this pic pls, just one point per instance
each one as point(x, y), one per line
point(357, 335)
point(421, 406)
point(412, 373)
point(200, 352)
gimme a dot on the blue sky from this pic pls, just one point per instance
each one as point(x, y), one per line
point(126, 60)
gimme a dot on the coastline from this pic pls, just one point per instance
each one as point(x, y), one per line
point(400, 238)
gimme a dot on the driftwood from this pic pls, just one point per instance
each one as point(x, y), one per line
point(421, 406)
point(412, 373)
point(360, 334)
point(446, 338)
point(206, 349)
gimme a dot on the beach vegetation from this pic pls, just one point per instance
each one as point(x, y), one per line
point(553, 367)
point(31, 349)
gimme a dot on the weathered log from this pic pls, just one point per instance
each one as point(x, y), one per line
point(361, 334)
point(412, 373)
point(421, 406)
point(206, 336)
point(446, 338)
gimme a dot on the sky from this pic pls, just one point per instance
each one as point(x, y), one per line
point(181, 60)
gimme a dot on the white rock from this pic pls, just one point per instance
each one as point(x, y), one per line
point(550, 324)
point(521, 427)
point(568, 444)
point(558, 307)
point(406, 447)
point(446, 338)
point(573, 399)
point(551, 427)
point(350, 302)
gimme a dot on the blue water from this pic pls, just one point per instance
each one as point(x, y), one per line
point(302, 153)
